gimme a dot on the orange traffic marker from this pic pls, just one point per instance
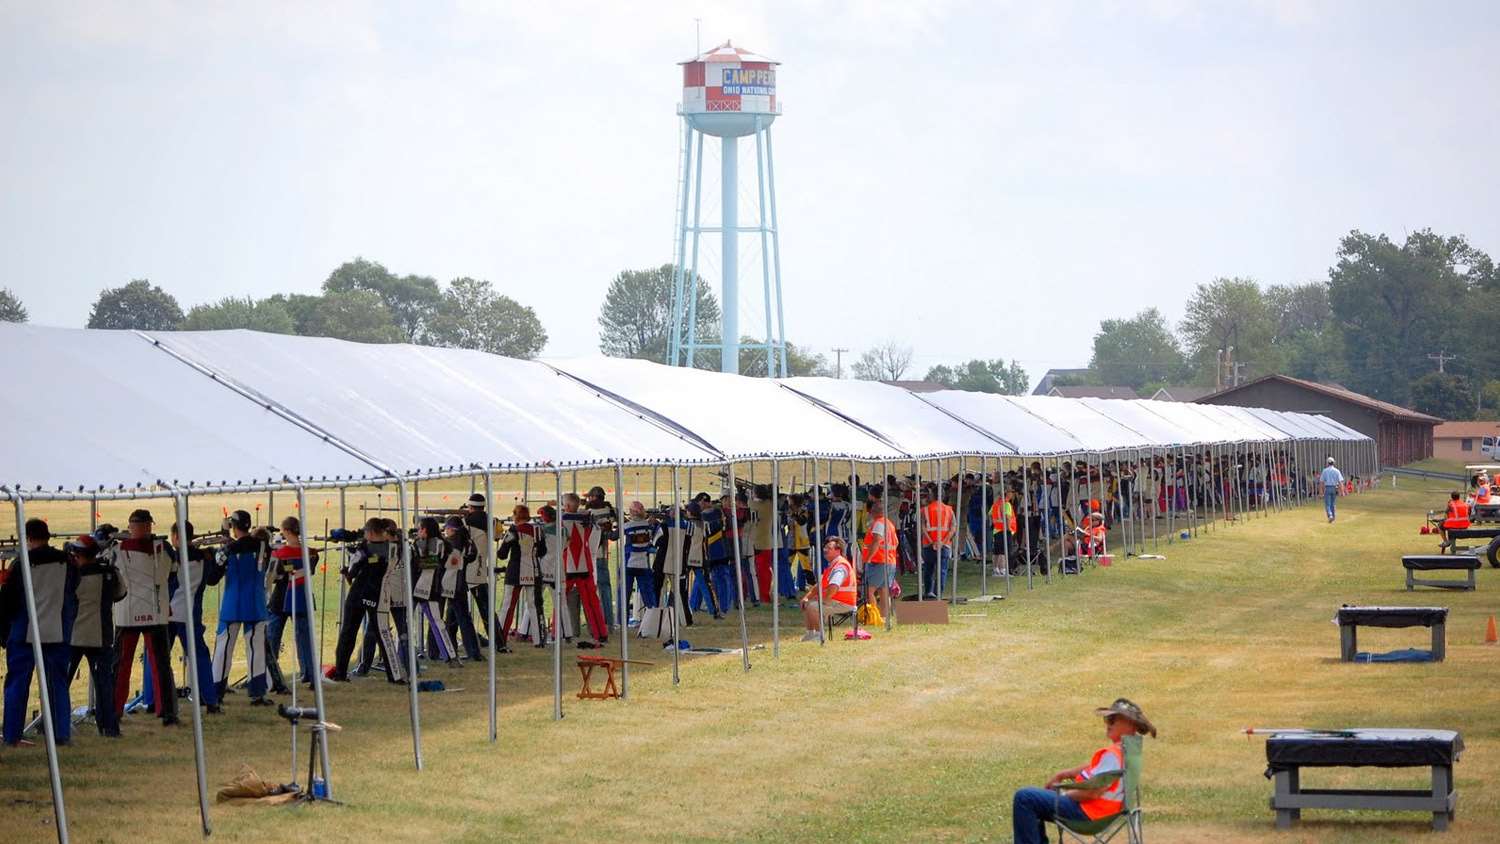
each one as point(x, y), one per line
point(1489, 632)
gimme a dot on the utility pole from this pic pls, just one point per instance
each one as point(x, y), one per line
point(1219, 371)
point(838, 366)
point(1442, 358)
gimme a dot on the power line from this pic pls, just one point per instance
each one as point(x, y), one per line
point(1442, 358)
point(838, 365)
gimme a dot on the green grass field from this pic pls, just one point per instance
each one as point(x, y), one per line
point(919, 734)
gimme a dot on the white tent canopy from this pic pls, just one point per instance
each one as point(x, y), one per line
point(899, 416)
point(421, 409)
point(1095, 430)
point(739, 417)
point(96, 409)
point(1001, 419)
point(1139, 418)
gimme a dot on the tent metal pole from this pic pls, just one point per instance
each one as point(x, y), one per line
point(1160, 490)
point(489, 553)
point(411, 650)
point(1047, 516)
point(674, 554)
point(817, 552)
point(316, 644)
point(1029, 501)
point(559, 599)
point(956, 548)
point(338, 617)
point(739, 571)
point(775, 558)
point(59, 812)
point(984, 521)
point(885, 509)
point(186, 586)
point(917, 513)
point(622, 590)
point(1169, 476)
point(854, 537)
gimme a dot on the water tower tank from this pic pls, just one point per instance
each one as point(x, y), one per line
point(729, 92)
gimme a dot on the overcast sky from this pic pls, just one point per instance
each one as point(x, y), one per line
point(971, 179)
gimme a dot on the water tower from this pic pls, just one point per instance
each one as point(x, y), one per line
point(727, 93)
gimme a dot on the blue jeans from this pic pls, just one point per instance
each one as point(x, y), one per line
point(1330, 496)
point(1033, 808)
point(934, 570)
point(20, 664)
point(784, 580)
point(723, 583)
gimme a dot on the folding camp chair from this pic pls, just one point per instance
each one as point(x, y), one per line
point(1129, 819)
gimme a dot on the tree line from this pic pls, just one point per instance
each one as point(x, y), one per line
point(361, 301)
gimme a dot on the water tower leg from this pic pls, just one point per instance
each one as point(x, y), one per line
point(776, 249)
point(730, 258)
point(773, 370)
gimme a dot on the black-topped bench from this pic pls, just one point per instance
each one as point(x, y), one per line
point(1350, 619)
point(1440, 562)
point(1486, 543)
point(1288, 753)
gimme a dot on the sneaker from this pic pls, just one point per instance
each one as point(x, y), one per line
point(260, 701)
point(214, 709)
point(811, 636)
point(170, 721)
point(336, 677)
point(280, 690)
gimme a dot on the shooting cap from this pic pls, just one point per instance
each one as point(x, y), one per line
point(476, 501)
point(453, 523)
point(85, 545)
point(240, 519)
point(141, 517)
point(596, 492)
point(1330, 461)
point(1125, 708)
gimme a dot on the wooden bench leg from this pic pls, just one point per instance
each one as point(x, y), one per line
point(586, 692)
point(1287, 784)
point(1347, 643)
point(1442, 786)
point(1439, 641)
point(1472, 584)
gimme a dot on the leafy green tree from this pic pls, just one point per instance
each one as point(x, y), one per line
point(1225, 313)
point(983, 376)
point(269, 315)
point(11, 309)
point(885, 362)
point(1394, 304)
point(1308, 342)
point(635, 320)
point(1138, 351)
point(1444, 395)
point(303, 310)
point(138, 305)
point(473, 316)
point(357, 315)
point(411, 300)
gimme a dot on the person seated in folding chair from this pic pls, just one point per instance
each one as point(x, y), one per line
point(1089, 539)
point(1096, 801)
point(1456, 518)
point(840, 591)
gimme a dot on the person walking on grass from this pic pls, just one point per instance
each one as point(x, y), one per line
point(1333, 481)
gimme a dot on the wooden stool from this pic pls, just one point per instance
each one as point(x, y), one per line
point(586, 666)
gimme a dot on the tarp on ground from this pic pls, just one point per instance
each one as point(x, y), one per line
point(1001, 419)
point(104, 408)
point(738, 416)
point(899, 416)
point(421, 408)
point(1095, 430)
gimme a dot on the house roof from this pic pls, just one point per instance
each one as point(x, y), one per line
point(1094, 392)
point(1383, 408)
point(1044, 385)
point(1181, 392)
point(1466, 429)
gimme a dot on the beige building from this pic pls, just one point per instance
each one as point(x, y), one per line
point(1464, 441)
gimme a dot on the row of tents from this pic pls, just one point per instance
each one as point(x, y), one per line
point(99, 415)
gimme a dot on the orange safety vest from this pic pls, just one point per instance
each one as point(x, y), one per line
point(1112, 801)
point(883, 548)
point(1003, 516)
point(845, 594)
point(1482, 495)
point(1458, 515)
point(937, 524)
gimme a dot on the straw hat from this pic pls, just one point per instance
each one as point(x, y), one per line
point(1125, 708)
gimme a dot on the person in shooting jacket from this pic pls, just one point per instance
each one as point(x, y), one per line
point(476, 521)
point(606, 530)
point(429, 554)
point(205, 573)
point(461, 554)
point(365, 573)
point(243, 563)
point(54, 582)
point(638, 535)
point(579, 547)
point(288, 602)
point(93, 639)
point(146, 567)
point(521, 550)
